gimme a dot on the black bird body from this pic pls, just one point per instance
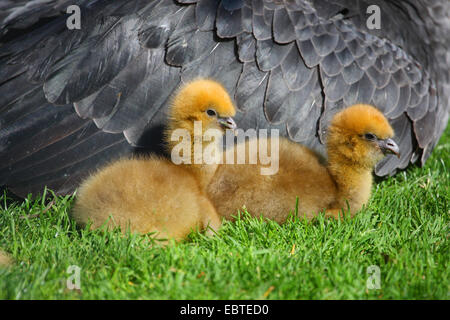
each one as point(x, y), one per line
point(73, 100)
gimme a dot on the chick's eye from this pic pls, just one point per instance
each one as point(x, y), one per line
point(370, 136)
point(211, 112)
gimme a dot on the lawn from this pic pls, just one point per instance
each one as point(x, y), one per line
point(403, 234)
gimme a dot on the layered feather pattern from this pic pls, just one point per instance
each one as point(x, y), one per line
point(71, 100)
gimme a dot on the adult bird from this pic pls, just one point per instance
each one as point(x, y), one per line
point(73, 99)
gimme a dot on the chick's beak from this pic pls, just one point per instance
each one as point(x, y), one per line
point(389, 146)
point(227, 122)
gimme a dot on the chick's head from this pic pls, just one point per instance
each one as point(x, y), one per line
point(205, 101)
point(362, 135)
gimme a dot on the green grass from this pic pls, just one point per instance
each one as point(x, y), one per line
point(404, 231)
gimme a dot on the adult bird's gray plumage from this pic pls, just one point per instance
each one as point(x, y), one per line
point(72, 100)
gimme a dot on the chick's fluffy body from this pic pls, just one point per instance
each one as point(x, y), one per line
point(342, 183)
point(145, 195)
point(300, 174)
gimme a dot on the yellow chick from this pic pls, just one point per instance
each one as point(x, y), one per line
point(358, 137)
point(154, 194)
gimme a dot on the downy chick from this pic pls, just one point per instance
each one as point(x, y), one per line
point(154, 194)
point(358, 137)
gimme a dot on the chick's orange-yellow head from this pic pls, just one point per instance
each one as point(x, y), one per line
point(361, 134)
point(202, 100)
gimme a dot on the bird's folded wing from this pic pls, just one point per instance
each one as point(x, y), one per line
point(71, 100)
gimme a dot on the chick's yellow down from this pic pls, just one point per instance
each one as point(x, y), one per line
point(154, 194)
point(146, 195)
point(358, 137)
